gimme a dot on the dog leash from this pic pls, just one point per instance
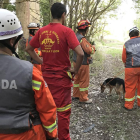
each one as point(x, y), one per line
point(116, 76)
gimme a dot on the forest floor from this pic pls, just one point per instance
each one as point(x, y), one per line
point(110, 121)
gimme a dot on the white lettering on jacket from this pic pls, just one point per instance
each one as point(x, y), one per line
point(5, 84)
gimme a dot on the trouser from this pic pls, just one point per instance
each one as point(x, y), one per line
point(132, 81)
point(81, 83)
point(37, 133)
point(62, 98)
point(38, 66)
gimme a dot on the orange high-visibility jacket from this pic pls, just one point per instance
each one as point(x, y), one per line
point(47, 111)
point(87, 47)
point(45, 104)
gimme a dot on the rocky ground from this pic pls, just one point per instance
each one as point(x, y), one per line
point(105, 118)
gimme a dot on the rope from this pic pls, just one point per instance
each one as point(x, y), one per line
point(116, 76)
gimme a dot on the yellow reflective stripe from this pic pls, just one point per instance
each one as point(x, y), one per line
point(51, 127)
point(75, 85)
point(36, 85)
point(130, 99)
point(138, 96)
point(38, 52)
point(92, 51)
point(83, 89)
point(64, 108)
point(69, 74)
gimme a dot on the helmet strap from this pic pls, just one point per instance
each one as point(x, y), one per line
point(13, 50)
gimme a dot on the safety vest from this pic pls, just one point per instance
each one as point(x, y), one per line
point(79, 37)
point(133, 52)
point(17, 105)
point(39, 49)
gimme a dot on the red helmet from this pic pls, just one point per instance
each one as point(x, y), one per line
point(83, 24)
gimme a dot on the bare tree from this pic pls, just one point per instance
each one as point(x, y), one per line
point(23, 13)
point(1, 3)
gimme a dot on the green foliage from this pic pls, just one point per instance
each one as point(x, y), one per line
point(45, 11)
point(8, 6)
point(11, 7)
point(137, 6)
point(21, 50)
point(96, 11)
point(137, 23)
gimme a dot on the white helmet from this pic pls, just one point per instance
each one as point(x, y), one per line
point(33, 26)
point(9, 25)
point(132, 29)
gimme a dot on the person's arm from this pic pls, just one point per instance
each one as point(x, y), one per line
point(45, 104)
point(124, 55)
point(79, 60)
point(34, 43)
point(87, 47)
point(38, 52)
point(75, 45)
point(30, 50)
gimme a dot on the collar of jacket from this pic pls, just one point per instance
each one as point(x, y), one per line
point(31, 35)
point(134, 37)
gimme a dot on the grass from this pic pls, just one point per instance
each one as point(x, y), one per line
point(114, 52)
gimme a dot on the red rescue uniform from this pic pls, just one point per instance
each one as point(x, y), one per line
point(55, 41)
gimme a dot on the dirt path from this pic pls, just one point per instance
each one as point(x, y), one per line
point(111, 121)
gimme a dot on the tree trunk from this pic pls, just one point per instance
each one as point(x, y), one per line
point(76, 15)
point(65, 2)
point(87, 9)
point(71, 14)
point(51, 3)
point(1, 3)
point(23, 13)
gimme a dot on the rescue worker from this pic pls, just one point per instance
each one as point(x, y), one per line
point(27, 108)
point(131, 59)
point(33, 28)
point(55, 40)
point(81, 80)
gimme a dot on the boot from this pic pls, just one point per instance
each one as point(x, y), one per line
point(89, 101)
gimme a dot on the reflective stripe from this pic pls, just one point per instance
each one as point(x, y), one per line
point(130, 99)
point(51, 127)
point(83, 89)
point(36, 85)
point(39, 53)
point(75, 85)
point(64, 108)
point(138, 96)
point(69, 74)
point(92, 51)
